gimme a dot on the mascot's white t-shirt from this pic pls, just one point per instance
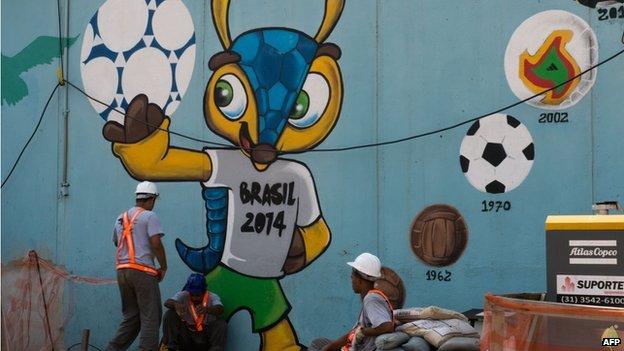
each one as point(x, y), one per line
point(264, 208)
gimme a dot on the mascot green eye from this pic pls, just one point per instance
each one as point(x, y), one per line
point(230, 96)
point(311, 102)
point(301, 106)
point(223, 93)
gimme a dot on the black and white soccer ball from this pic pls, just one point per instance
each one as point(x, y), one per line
point(497, 153)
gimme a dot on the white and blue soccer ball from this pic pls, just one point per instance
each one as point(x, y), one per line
point(497, 153)
point(133, 47)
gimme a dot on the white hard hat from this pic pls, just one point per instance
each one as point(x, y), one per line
point(146, 190)
point(367, 264)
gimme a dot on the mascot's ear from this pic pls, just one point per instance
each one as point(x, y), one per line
point(221, 59)
point(329, 49)
point(333, 10)
point(220, 20)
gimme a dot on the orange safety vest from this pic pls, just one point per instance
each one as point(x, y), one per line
point(127, 240)
point(351, 335)
point(199, 320)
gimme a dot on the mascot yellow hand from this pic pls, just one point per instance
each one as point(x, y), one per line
point(142, 144)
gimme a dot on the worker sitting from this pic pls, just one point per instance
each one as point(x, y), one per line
point(191, 321)
point(376, 316)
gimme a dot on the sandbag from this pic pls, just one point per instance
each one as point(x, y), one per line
point(460, 343)
point(408, 314)
point(436, 332)
point(391, 340)
point(431, 312)
point(416, 343)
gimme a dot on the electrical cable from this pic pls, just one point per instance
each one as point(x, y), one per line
point(225, 146)
point(229, 147)
point(472, 119)
point(31, 136)
point(80, 343)
point(389, 142)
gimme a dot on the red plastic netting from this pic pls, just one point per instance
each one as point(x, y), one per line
point(33, 312)
point(522, 325)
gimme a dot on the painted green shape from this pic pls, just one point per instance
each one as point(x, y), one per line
point(262, 297)
point(39, 52)
point(553, 69)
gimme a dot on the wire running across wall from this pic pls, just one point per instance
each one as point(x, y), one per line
point(79, 343)
point(63, 81)
point(32, 135)
point(335, 149)
point(368, 145)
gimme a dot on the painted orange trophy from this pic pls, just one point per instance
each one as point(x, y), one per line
point(273, 91)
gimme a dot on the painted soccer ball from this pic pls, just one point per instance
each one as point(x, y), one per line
point(547, 50)
point(138, 46)
point(496, 154)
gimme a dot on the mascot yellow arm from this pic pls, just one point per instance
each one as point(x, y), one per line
point(316, 238)
point(153, 159)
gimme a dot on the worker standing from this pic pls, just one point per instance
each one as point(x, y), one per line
point(137, 233)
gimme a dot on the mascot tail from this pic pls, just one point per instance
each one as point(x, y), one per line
point(205, 259)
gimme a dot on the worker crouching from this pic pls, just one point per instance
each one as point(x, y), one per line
point(191, 321)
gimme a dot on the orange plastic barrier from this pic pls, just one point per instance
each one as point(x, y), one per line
point(33, 311)
point(513, 324)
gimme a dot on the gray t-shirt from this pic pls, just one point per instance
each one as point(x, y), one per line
point(184, 297)
point(145, 226)
point(264, 208)
point(375, 311)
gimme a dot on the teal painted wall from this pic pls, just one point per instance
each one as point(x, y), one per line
point(408, 67)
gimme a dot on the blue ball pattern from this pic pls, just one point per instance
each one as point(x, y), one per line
point(276, 62)
point(101, 50)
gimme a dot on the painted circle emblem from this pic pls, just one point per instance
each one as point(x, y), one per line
point(546, 50)
point(497, 153)
point(392, 286)
point(133, 47)
point(439, 235)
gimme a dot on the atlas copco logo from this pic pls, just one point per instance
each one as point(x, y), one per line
point(596, 252)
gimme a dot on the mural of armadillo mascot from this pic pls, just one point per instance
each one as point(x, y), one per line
point(273, 91)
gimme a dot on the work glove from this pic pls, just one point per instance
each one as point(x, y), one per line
point(359, 336)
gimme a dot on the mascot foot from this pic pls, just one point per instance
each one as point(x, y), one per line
point(281, 337)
